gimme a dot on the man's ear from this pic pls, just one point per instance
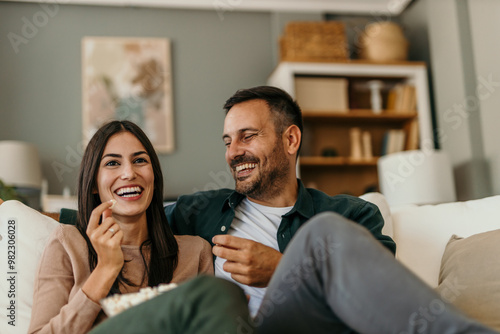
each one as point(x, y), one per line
point(292, 137)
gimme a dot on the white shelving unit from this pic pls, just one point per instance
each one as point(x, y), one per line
point(342, 174)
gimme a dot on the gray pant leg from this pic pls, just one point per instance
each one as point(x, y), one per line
point(336, 278)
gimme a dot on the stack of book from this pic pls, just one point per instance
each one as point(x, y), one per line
point(398, 140)
point(393, 141)
point(402, 99)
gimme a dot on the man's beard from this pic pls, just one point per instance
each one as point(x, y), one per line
point(271, 178)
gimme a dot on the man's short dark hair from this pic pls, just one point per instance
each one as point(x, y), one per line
point(284, 110)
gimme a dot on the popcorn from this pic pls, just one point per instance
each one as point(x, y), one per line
point(117, 303)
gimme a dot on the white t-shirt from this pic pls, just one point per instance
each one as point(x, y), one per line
point(259, 223)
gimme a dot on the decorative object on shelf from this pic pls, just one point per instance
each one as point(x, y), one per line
point(367, 145)
point(329, 152)
point(383, 42)
point(322, 94)
point(314, 41)
point(375, 95)
point(129, 78)
point(21, 170)
point(356, 150)
point(416, 177)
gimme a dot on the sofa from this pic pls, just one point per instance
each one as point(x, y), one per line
point(454, 248)
point(422, 234)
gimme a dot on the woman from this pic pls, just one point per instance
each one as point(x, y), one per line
point(122, 240)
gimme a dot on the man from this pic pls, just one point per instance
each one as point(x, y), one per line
point(252, 225)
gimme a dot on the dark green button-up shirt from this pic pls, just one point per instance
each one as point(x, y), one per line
point(209, 213)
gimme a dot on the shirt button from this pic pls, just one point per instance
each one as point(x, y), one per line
point(283, 235)
point(223, 228)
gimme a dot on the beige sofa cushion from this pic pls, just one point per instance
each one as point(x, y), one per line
point(470, 276)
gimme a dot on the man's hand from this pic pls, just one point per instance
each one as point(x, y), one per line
point(248, 262)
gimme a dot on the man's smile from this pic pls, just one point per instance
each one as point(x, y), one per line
point(246, 166)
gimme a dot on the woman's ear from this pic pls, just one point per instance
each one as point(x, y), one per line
point(292, 138)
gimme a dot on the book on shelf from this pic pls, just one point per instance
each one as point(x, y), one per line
point(412, 141)
point(393, 141)
point(402, 99)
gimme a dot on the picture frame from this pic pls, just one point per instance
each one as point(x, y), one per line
point(128, 79)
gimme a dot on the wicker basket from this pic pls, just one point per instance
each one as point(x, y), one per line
point(314, 41)
point(383, 42)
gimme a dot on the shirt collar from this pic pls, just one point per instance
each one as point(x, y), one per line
point(232, 200)
point(303, 205)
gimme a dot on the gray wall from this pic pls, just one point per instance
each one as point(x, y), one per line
point(212, 56)
point(484, 16)
point(454, 33)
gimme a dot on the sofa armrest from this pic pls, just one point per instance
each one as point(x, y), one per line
point(53, 215)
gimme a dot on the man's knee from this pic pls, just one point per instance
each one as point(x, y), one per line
point(214, 287)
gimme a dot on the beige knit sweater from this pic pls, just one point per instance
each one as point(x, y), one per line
point(59, 304)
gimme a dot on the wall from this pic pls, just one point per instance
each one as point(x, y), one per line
point(456, 81)
point(213, 54)
point(484, 15)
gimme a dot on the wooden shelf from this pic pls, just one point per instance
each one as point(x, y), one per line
point(359, 115)
point(336, 161)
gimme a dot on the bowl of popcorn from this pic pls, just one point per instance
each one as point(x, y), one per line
point(117, 303)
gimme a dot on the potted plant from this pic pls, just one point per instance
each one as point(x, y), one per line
point(9, 193)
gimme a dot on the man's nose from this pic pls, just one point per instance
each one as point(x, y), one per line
point(235, 150)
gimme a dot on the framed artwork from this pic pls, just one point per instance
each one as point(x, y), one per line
point(128, 79)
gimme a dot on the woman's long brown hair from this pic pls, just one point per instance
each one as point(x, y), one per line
point(164, 248)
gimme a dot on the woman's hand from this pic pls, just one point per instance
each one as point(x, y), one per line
point(1, 201)
point(106, 239)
